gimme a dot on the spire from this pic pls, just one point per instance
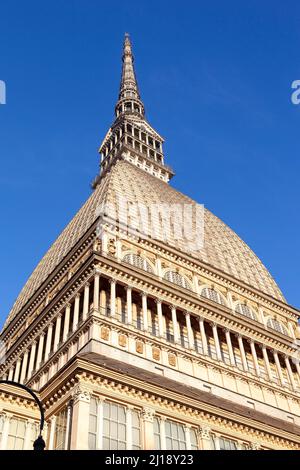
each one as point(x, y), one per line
point(129, 101)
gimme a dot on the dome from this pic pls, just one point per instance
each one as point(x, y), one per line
point(222, 248)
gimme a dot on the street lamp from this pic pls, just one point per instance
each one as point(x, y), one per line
point(39, 443)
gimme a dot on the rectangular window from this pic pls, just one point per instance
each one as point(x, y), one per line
point(16, 434)
point(61, 430)
point(174, 436)
point(110, 431)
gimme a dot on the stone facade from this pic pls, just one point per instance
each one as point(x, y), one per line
point(135, 343)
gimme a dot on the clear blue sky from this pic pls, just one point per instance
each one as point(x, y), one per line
point(216, 81)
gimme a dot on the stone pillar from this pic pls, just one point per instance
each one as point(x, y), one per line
point(160, 318)
point(254, 356)
point(24, 367)
point(190, 333)
point(17, 370)
point(205, 435)
point(148, 428)
point(175, 324)
point(57, 331)
point(11, 373)
point(86, 300)
point(100, 414)
point(66, 322)
point(80, 420)
point(129, 304)
point(217, 342)
point(31, 360)
point(187, 432)
point(129, 427)
point(68, 424)
point(112, 297)
point(290, 372)
point(29, 427)
point(96, 290)
point(40, 350)
point(76, 313)
point(203, 336)
point(230, 348)
point(5, 430)
point(52, 432)
point(267, 363)
point(278, 367)
point(243, 354)
point(48, 341)
point(162, 431)
point(145, 311)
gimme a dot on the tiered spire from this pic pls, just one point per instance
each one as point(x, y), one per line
point(131, 137)
point(129, 101)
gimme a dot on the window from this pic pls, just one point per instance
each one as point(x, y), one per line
point(16, 434)
point(1, 427)
point(61, 430)
point(138, 261)
point(171, 435)
point(176, 278)
point(213, 295)
point(113, 426)
point(246, 311)
point(276, 325)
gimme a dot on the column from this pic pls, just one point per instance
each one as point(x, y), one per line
point(129, 304)
point(290, 372)
point(57, 331)
point(96, 290)
point(229, 346)
point(255, 360)
point(112, 297)
point(66, 322)
point(86, 299)
point(217, 342)
point(203, 336)
point(40, 350)
point(48, 341)
point(5, 430)
point(175, 324)
point(298, 368)
point(31, 360)
point(267, 363)
point(100, 413)
point(278, 367)
point(129, 428)
point(187, 431)
point(160, 318)
point(11, 373)
point(76, 313)
point(190, 333)
point(52, 432)
point(80, 419)
point(243, 354)
point(205, 434)
point(145, 311)
point(17, 370)
point(68, 424)
point(162, 431)
point(24, 367)
point(148, 428)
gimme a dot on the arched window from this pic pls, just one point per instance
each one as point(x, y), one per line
point(243, 309)
point(138, 261)
point(276, 325)
point(213, 295)
point(176, 278)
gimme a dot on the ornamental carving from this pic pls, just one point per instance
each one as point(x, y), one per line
point(105, 333)
point(81, 394)
point(112, 247)
point(122, 340)
point(172, 360)
point(156, 354)
point(205, 432)
point(97, 245)
point(148, 414)
point(139, 347)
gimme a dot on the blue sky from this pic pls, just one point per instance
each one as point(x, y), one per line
point(216, 80)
